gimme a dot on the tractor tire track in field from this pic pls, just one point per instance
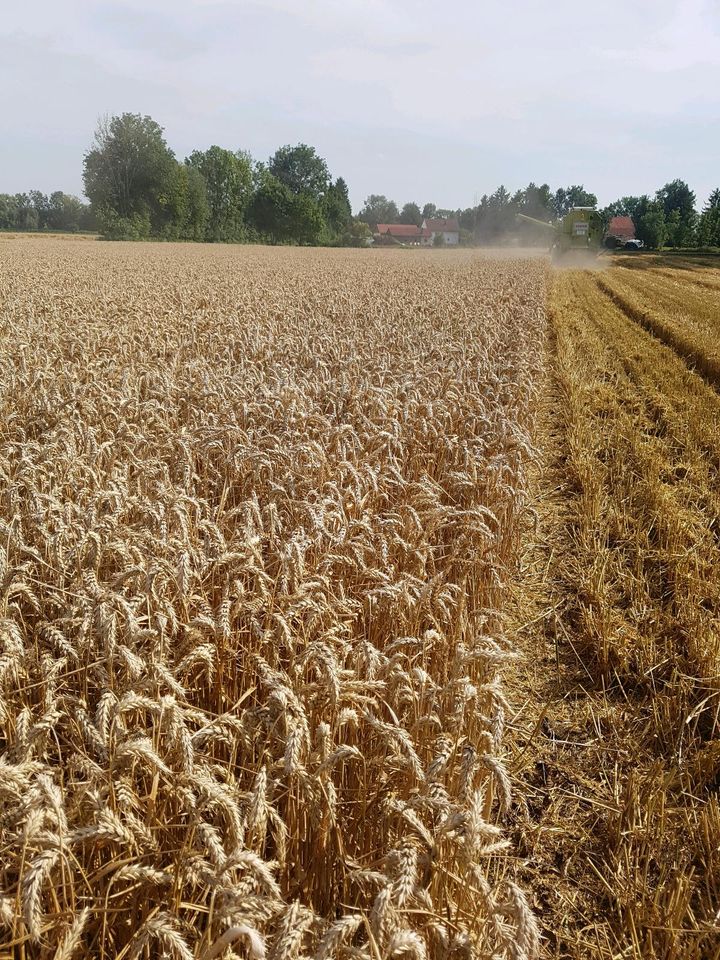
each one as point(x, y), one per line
point(707, 367)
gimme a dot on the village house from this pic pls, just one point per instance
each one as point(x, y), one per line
point(407, 233)
point(621, 227)
point(424, 236)
point(447, 227)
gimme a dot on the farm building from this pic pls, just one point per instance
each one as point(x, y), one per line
point(621, 227)
point(408, 233)
point(447, 226)
point(620, 235)
point(400, 233)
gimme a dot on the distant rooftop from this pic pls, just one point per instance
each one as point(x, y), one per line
point(622, 227)
point(442, 225)
point(406, 230)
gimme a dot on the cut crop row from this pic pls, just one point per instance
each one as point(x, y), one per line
point(641, 468)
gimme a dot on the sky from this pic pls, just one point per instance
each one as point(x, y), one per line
point(421, 100)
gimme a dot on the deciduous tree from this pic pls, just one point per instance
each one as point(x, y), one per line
point(568, 197)
point(129, 174)
point(378, 209)
point(301, 170)
point(336, 209)
point(411, 214)
point(709, 226)
point(678, 204)
point(649, 220)
point(228, 180)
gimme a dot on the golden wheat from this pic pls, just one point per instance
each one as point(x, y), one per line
point(257, 512)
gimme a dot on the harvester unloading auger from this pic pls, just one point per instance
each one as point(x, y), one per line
point(582, 232)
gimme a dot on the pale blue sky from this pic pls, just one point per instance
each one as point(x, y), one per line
point(425, 100)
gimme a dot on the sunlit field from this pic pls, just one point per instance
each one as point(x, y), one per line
point(258, 508)
point(358, 604)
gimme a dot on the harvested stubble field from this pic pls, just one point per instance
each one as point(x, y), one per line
point(617, 749)
point(258, 511)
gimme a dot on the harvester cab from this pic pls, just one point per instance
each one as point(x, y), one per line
point(580, 230)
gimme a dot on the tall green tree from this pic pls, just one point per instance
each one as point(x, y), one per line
point(301, 170)
point(468, 219)
point(575, 196)
point(649, 220)
point(678, 203)
point(8, 212)
point(228, 180)
point(429, 211)
point(495, 216)
point(26, 214)
point(538, 202)
point(282, 216)
point(306, 222)
point(624, 207)
point(378, 209)
point(41, 204)
point(64, 212)
point(411, 214)
point(677, 195)
point(130, 175)
point(709, 225)
point(187, 209)
point(270, 210)
point(335, 207)
point(197, 208)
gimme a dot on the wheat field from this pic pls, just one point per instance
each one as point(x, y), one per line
point(258, 509)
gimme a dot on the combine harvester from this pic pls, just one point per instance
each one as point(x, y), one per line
point(580, 236)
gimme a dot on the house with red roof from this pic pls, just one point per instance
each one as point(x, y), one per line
point(621, 227)
point(447, 227)
point(410, 235)
point(620, 234)
point(406, 233)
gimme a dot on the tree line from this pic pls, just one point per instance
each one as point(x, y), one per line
point(138, 189)
point(494, 219)
point(35, 211)
point(667, 219)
